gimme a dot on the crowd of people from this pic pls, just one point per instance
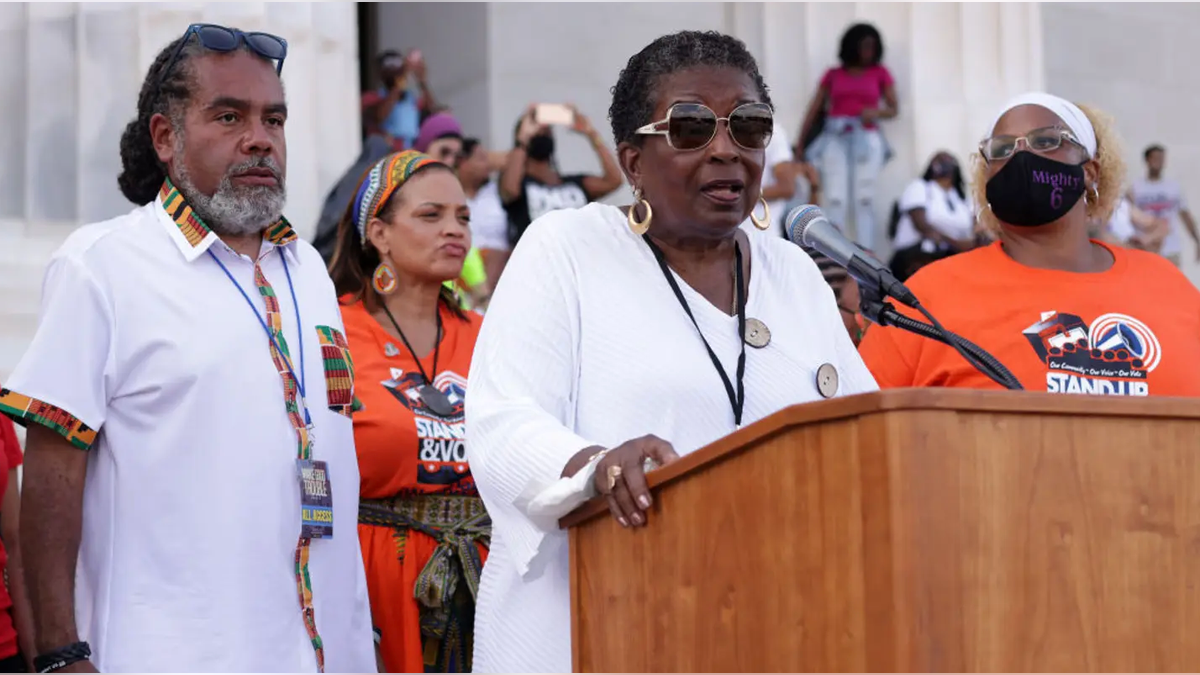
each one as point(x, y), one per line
point(836, 161)
point(493, 346)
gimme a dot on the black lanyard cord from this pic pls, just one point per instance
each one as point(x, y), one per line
point(437, 348)
point(736, 400)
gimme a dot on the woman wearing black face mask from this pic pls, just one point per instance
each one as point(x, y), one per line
point(1066, 313)
point(530, 185)
point(933, 219)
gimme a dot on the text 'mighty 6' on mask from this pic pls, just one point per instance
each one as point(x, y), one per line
point(1031, 189)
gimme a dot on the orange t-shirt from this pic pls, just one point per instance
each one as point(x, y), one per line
point(1133, 329)
point(403, 447)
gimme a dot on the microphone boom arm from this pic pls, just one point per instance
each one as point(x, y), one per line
point(883, 313)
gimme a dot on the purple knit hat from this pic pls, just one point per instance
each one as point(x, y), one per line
point(435, 127)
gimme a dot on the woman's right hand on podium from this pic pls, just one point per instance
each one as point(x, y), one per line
point(621, 478)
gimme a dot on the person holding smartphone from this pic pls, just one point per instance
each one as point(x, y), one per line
point(530, 184)
point(398, 107)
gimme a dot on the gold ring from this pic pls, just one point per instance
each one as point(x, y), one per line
point(614, 472)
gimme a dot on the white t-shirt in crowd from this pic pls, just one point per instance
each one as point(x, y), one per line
point(489, 221)
point(585, 344)
point(778, 151)
point(150, 360)
point(1120, 225)
point(945, 210)
point(1162, 198)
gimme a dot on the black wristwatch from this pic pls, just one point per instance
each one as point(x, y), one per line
point(62, 657)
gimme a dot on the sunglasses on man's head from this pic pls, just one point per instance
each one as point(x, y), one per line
point(692, 126)
point(221, 39)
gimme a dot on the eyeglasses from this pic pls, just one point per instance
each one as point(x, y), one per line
point(221, 39)
point(692, 126)
point(1041, 141)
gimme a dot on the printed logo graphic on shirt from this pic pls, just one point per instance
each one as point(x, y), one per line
point(543, 199)
point(442, 454)
point(1114, 355)
point(1160, 203)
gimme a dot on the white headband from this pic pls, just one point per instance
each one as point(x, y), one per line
point(1068, 112)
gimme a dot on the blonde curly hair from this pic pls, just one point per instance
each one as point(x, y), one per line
point(1110, 177)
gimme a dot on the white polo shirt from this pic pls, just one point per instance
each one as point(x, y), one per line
point(191, 512)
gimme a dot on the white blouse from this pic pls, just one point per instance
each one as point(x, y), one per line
point(945, 210)
point(585, 344)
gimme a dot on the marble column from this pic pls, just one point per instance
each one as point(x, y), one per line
point(70, 79)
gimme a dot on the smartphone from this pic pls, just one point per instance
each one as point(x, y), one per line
point(553, 113)
point(415, 56)
point(392, 63)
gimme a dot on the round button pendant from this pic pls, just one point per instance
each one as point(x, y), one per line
point(757, 334)
point(827, 380)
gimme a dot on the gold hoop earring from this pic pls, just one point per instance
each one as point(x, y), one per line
point(765, 223)
point(642, 226)
point(384, 279)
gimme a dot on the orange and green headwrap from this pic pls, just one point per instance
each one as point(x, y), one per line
point(384, 178)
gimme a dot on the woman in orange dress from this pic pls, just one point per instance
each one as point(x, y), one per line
point(422, 526)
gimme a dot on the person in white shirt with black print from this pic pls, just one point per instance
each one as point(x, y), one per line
point(530, 183)
point(191, 485)
point(619, 335)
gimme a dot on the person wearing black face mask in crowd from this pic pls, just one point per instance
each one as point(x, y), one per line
point(530, 185)
point(1066, 313)
point(932, 219)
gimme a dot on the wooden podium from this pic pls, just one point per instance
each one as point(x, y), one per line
point(909, 530)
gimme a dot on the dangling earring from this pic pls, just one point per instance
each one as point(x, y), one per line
point(639, 227)
point(765, 223)
point(384, 279)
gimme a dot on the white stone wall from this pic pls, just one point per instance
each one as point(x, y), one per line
point(1134, 60)
point(69, 79)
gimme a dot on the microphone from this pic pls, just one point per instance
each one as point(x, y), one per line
point(807, 226)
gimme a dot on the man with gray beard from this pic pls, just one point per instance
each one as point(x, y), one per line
point(191, 486)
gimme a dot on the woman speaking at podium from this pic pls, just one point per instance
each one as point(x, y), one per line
point(619, 336)
point(1064, 312)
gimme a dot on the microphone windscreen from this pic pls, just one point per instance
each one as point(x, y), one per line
point(830, 270)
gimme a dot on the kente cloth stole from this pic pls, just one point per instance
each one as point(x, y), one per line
point(195, 230)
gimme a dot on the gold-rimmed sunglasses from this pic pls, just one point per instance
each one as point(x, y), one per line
point(692, 126)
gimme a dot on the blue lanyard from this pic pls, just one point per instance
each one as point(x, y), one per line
point(287, 361)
